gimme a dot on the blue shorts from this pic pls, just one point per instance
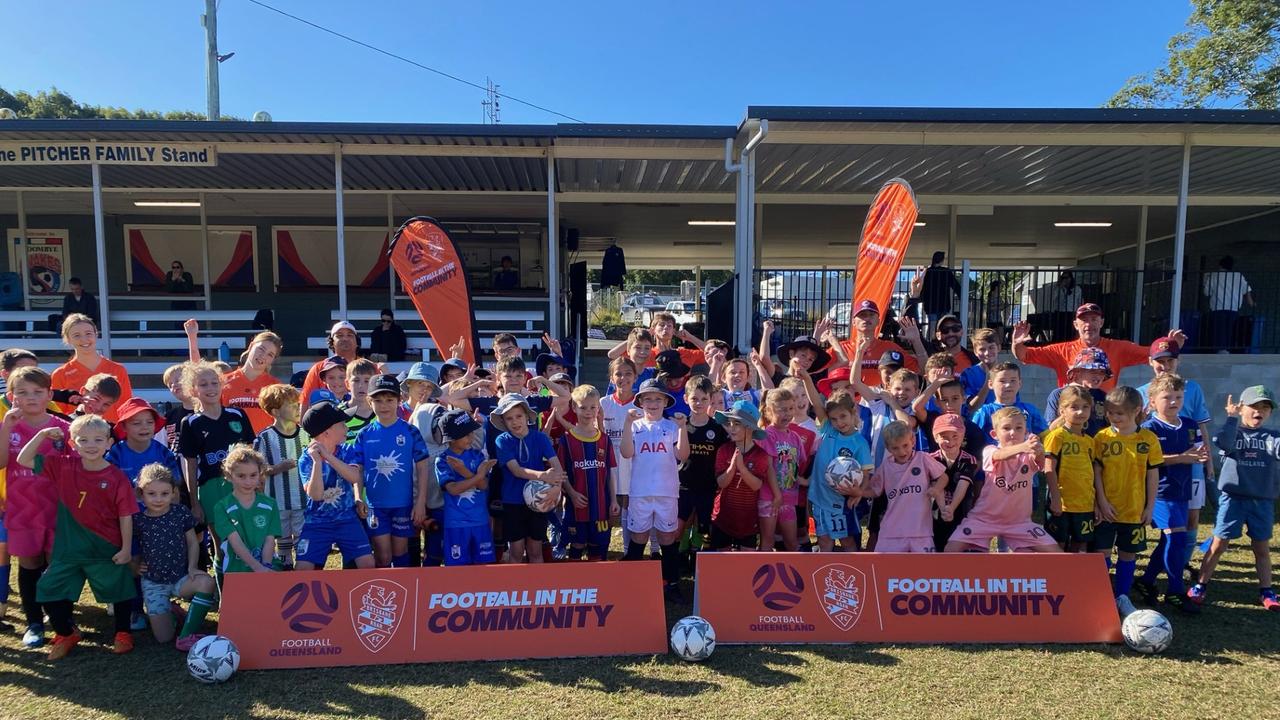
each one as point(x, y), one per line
point(593, 534)
point(830, 520)
point(470, 545)
point(4, 534)
point(1237, 513)
point(397, 522)
point(1169, 514)
point(318, 538)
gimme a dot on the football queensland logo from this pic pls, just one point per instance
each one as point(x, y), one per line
point(778, 585)
point(376, 609)
point(842, 592)
point(309, 607)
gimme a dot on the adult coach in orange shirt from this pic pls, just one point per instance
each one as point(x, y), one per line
point(1088, 325)
point(343, 342)
point(866, 323)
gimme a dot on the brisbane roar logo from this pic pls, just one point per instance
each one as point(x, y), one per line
point(309, 607)
point(376, 609)
point(841, 592)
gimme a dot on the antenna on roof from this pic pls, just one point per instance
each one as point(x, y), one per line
point(492, 109)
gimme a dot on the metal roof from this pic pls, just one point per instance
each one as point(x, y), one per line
point(1145, 116)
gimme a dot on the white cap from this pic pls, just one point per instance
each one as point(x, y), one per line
point(342, 325)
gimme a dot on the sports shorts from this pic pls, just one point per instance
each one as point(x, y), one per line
point(1235, 514)
point(649, 512)
point(697, 503)
point(319, 538)
point(156, 595)
point(1125, 537)
point(520, 523)
point(905, 545)
point(397, 522)
point(1169, 514)
point(110, 583)
point(1018, 536)
point(594, 534)
point(832, 521)
point(468, 545)
point(1070, 527)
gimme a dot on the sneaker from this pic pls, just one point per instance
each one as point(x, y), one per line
point(1125, 606)
point(123, 643)
point(1182, 604)
point(34, 636)
point(1196, 594)
point(1268, 600)
point(137, 622)
point(184, 643)
point(62, 644)
point(1150, 595)
point(671, 592)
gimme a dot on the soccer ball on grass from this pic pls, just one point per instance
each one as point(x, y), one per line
point(1147, 631)
point(213, 659)
point(693, 639)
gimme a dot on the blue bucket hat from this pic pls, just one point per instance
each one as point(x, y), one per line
point(744, 413)
point(423, 371)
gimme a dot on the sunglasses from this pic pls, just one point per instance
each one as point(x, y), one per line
point(176, 267)
point(949, 329)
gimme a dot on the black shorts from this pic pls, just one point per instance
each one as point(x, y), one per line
point(1070, 527)
point(878, 507)
point(697, 502)
point(1125, 537)
point(520, 523)
point(721, 540)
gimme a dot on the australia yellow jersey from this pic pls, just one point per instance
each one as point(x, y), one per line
point(1125, 460)
point(1073, 457)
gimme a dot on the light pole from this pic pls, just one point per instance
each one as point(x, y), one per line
point(210, 22)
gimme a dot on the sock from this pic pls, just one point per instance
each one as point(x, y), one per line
point(575, 552)
point(284, 548)
point(1190, 550)
point(60, 616)
point(1124, 576)
point(401, 561)
point(635, 551)
point(27, 580)
point(4, 583)
point(671, 563)
point(124, 612)
point(201, 604)
point(1173, 552)
point(1156, 564)
point(135, 605)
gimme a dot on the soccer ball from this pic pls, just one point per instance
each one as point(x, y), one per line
point(693, 639)
point(1147, 631)
point(213, 659)
point(540, 497)
point(843, 473)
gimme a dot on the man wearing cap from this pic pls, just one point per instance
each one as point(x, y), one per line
point(344, 342)
point(866, 323)
point(1088, 325)
point(948, 337)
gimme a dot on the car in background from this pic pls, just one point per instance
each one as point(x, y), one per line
point(639, 309)
point(683, 311)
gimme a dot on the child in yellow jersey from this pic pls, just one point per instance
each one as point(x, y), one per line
point(1069, 472)
point(1127, 458)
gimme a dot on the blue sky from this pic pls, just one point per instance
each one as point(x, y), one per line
point(655, 62)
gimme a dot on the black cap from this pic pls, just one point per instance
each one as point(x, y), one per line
point(384, 383)
point(457, 424)
point(669, 363)
point(892, 357)
point(321, 417)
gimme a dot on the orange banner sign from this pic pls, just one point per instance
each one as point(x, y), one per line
point(885, 235)
point(429, 267)
point(891, 597)
point(480, 612)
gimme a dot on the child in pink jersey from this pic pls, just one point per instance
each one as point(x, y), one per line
point(908, 479)
point(1003, 508)
point(790, 455)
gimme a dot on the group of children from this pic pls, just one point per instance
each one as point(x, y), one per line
point(688, 447)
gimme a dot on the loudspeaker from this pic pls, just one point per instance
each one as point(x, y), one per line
point(571, 239)
point(578, 302)
point(719, 312)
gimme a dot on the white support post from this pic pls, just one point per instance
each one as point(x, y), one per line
point(952, 230)
point(22, 253)
point(553, 251)
point(964, 291)
point(391, 271)
point(340, 214)
point(204, 251)
point(100, 241)
point(1180, 237)
point(1139, 278)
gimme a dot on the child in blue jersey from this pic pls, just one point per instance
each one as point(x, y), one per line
point(334, 488)
point(638, 348)
point(523, 454)
point(839, 436)
point(393, 458)
point(463, 473)
point(1182, 447)
point(588, 459)
point(1005, 380)
point(333, 382)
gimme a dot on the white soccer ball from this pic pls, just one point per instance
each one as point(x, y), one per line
point(213, 659)
point(1147, 631)
point(693, 639)
point(843, 473)
point(541, 497)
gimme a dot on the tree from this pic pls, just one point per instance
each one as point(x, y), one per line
point(54, 103)
point(1229, 54)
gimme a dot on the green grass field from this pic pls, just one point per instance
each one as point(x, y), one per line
point(1224, 663)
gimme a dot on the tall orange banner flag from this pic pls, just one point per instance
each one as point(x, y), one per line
point(427, 262)
point(885, 235)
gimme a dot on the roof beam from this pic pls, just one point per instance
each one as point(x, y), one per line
point(1267, 139)
point(1021, 200)
point(636, 152)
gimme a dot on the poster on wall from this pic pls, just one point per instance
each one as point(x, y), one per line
point(48, 265)
point(307, 256)
point(151, 251)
